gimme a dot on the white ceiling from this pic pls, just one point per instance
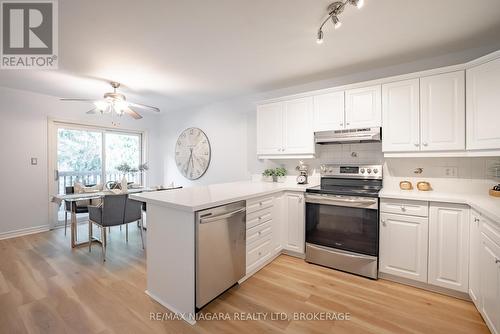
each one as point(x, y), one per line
point(182, 53)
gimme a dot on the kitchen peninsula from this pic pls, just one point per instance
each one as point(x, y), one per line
point(171, 241)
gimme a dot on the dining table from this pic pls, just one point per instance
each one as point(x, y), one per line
point(90, 196)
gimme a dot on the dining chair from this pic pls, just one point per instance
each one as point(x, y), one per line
point(133, 213)
point(111, 212)
point(79, 206)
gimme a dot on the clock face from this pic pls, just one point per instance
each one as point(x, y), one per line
point(192, 153)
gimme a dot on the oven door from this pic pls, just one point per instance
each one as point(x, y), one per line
point(343, 222)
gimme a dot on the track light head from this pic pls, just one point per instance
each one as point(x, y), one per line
point(319, 38)
point(336, 22)
point(358, 3)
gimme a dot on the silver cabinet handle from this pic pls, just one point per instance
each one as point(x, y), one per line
point(383, 222)
point(417, 145)
point(348, 123)
point(497, 261)
point(403, 209)
point(341, 124)
point(476, 220)
point(425, 144)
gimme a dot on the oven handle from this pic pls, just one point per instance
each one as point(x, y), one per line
point(350, 202)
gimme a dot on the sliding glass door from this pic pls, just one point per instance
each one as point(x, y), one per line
point(92, 156)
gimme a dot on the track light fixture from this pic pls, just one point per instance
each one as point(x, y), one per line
point(334, 10)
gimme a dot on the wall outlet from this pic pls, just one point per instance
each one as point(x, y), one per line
point(450, 171)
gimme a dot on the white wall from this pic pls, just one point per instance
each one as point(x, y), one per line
point(24, 199)
point(225, 125)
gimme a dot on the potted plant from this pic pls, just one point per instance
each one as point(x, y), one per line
point(267, 175)
point(280, 173)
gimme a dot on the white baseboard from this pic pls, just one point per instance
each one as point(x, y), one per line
point(24, 231)
point(424, 286)
point(189, 318)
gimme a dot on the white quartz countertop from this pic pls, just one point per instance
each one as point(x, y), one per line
point(483, 203)
point(209, 196)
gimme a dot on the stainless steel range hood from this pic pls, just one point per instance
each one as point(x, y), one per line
point(364, 135)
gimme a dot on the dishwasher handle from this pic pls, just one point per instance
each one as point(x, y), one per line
point(220, 217)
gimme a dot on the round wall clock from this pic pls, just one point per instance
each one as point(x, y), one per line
point(192, 153)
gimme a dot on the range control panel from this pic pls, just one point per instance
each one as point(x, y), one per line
point(352, 171)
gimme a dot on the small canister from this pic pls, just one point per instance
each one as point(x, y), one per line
point(405, 185)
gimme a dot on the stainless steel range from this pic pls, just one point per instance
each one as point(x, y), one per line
point(342, 219)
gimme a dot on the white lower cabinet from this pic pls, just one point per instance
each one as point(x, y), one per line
point(449, 246)
point(474, 259)
point(294, 222)
point(489, 266)
point(274, 223)
point(403, 246)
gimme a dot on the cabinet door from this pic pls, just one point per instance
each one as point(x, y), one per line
point(474, 258)
point(270, 128)
point(329, 111)
point(483, 101)
point(442, 112)
point(278, 222)
point(400, 116)
point(363, 107)
point(490, 283)
point(449, 246)
point(403, 246)
point(298, 128)
point(295, 222)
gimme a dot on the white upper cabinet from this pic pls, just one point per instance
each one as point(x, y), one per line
point(297, 126)
point(363, 107)
point(400, 116)
point(449, 246)
point(483, 106)
point(329, 111)
point(403, 246)
point(442, 112)
point(285, 129)
point(270, 128)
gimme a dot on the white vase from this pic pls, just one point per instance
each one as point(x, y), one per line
point(124, 184)
point(281, 179)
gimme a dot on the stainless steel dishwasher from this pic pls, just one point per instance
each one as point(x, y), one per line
point(220, 250)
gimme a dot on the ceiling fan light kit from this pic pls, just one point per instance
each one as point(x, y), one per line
point(334, 10)
point(114, 103)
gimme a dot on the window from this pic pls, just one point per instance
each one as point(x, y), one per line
point(95, 156)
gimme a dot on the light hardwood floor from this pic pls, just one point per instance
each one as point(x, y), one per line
point(45, 287)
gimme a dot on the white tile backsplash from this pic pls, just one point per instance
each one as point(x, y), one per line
point(398, 168)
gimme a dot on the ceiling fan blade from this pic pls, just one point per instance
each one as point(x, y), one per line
point(132, 113)
point(92, 111)
point(144, 106)
point(77, 100)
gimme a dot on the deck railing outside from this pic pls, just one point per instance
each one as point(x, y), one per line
point(67, 179)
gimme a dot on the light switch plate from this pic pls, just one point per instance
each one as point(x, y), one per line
point(34, 161)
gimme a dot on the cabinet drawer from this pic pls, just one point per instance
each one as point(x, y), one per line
point(258, 251)
point(258, 232)
point(259, 217)
point(405, 207)
point(259, 203)
point(490, 230)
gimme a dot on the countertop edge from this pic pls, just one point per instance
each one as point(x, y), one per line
point(196, 208)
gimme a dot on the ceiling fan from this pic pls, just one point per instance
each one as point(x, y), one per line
point(114, 102)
